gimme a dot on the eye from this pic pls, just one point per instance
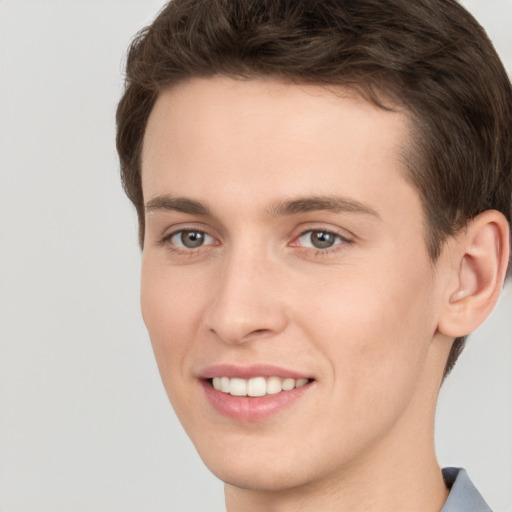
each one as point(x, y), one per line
point(319, 239)
point(190, 239)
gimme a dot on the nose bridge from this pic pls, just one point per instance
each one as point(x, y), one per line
point(247, 303)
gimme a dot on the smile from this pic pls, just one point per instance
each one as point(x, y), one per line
point(253, 393)
point(257, 386)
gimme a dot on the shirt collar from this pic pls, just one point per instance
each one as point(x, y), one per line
point(463, 496)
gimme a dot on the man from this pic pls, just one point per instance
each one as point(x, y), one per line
point(324, 193)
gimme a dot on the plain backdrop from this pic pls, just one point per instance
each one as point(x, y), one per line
point(85, 425)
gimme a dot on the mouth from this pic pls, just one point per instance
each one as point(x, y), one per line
point(253, 393)
point(256, 386)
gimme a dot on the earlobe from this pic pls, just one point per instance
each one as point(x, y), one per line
point(480, 262)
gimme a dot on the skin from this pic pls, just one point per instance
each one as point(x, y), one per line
point(361, 317)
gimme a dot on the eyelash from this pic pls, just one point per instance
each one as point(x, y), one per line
point(181, 251)
point(341, 240)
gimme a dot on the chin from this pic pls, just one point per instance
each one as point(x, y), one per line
point(258, 477)
point(264, 468)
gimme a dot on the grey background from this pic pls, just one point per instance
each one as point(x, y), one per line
point(84, 422)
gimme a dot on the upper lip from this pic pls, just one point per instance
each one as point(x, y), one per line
point(249, 372)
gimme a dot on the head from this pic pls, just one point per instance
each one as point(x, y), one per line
point(419, 77)
point(437, 63)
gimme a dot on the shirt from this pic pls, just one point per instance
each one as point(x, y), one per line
point(463, 495)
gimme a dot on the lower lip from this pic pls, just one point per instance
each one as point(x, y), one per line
point(247, 408)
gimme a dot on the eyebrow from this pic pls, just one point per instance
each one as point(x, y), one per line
point(295, 206)
point(333, 204)
point(177, 204)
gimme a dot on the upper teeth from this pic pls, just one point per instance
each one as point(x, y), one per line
point(258, 386)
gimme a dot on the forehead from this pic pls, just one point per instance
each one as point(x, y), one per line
point(263, 138)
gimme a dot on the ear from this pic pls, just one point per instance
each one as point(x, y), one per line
point(479, 264)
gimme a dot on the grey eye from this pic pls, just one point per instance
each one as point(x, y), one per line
point(319, 239)
point(322, 240)
point(190, 239)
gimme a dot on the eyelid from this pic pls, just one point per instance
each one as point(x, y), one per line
point(172, 231)
point(343, 234)
point(344, 239)
point(184, 247)
point(311, 231)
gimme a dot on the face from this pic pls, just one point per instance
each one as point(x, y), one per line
point(286, 285)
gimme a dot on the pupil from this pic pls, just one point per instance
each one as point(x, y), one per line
point(322, 240)
point(192, 239)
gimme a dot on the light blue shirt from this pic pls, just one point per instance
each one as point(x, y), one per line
point(463, 495)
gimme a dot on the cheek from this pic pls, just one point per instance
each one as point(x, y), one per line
point(377, 327)
point(170, 311)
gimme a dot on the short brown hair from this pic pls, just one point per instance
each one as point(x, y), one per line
point(430, 57)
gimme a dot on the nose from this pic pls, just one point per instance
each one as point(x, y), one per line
point(248, 303)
